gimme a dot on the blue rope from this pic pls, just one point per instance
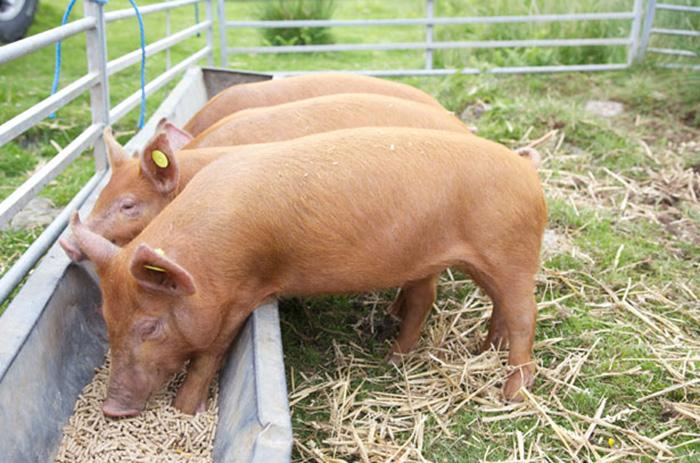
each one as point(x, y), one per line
point(142, 34)
point(142, 115)
point(57, 67)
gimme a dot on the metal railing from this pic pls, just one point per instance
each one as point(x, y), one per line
point(96, 82)
point(632, 41)
point(650, 30)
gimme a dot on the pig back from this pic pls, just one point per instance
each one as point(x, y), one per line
point(278, 91)
point(329, 204)
point(323, 114)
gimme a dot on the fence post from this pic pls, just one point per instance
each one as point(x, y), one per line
point(222, 34)
point(646, 30)
point(96, 43)
point(634, 32)
point(210, 32)
point(429, 14)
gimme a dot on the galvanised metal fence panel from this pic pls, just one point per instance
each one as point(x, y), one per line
point(649, 31)
point(96, 82)
point(632, 42)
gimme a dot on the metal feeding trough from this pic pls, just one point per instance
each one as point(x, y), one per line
point(52, 338)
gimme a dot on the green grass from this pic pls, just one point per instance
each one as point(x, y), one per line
point(660, 110)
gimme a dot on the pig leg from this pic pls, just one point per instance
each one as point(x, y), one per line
point(513, 320)
point(497, 337)
point(397, 307)
point(519, 311)
point(194, 392)
point(418, 299)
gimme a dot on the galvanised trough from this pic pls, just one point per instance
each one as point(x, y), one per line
point(52, 337)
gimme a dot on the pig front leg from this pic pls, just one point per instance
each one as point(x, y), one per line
point(413, 306)
point(194, 392)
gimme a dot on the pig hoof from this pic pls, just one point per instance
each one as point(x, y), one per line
point(190, 408)
point(394, 358)
point(518, 380)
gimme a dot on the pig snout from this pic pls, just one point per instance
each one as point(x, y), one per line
point(71, 248)
point(115, 409)
point(124, 399)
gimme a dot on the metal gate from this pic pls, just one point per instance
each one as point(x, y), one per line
point(633, 17)
point(96, 81)
point(685, 58)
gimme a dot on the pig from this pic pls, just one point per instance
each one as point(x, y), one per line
point(346, 211)
point(322, 114)
point(139, 189)
point(273, 92)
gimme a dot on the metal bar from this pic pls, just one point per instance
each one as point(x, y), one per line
point(433, 21)
point(687, 67)
point(684, 8)
point(434, 45)
point(682, 32)
point(221, 11)
point(134, 57)
point(672, 51)
point(633, 52)
point(23, 47)
point(96, 44)
point(28, 190)
point(39, 247)
point(133, 100)
point(20, 123)
point(148, 9)
point(429, 14)
point(209, 13)
point(167, 34)
point(646, 30)
point(445, 72)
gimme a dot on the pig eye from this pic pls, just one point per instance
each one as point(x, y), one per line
point(128, 207)
point(148, 329)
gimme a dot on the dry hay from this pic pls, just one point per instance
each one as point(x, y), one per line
point(159, 434)
point(378, 413)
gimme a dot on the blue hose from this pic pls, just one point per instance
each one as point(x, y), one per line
point(142, 33)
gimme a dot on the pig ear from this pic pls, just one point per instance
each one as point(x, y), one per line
point(155, 271)
point(115, 152)
point(97, 248)
point(159, 165)
point(177, 138)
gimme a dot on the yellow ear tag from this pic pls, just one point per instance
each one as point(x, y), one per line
point(154, 268)
point(160, 252)
point(160, 159)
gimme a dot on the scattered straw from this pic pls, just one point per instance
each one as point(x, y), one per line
point(444, 402)
point(159, 434)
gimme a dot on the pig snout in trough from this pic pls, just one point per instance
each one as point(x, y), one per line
point(341, 212)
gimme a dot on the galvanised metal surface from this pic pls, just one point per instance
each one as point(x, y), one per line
point(96, 82)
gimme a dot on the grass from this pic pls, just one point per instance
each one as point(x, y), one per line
point(618, 291)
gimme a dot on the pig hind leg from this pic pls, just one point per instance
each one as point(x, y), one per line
point(415, 301)
point(513, 320)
